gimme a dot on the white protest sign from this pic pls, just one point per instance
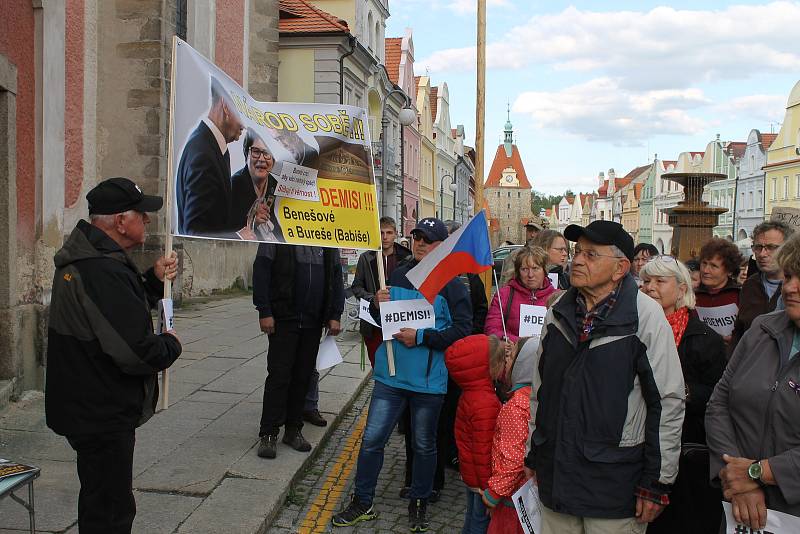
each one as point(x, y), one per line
point(720, 318)
point(296, 181)
point(364, 314)
point(553, 279)
point(328, 354)
point(166, 321)
point(531, 320)
point(777, 523)
point(397, 314)
point(526, 502)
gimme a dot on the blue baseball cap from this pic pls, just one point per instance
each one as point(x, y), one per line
point(432, 228)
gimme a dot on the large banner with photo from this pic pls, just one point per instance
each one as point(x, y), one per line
point(291, 173)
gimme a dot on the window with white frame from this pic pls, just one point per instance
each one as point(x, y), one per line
point(785, 187)
point(774, 194)
point(797, 185)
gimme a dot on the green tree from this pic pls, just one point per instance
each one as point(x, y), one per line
point(540, 200)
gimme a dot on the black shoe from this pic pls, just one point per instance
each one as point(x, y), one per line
point(417, 521)
point(314, 417)
point(294, 438)
point(405, 492)
point(354, 513)
point(435, 494)
point(267, 446)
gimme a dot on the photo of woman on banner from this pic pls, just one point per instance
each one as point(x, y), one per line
point(253, 190)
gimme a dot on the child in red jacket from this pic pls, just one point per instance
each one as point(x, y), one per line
point(508, 446)
point(467, 362)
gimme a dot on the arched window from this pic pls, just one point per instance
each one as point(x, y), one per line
point(371, 30)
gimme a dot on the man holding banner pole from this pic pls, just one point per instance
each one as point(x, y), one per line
point(420, 380)
point(102, 355)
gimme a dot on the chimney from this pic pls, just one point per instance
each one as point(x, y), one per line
point(601, 178)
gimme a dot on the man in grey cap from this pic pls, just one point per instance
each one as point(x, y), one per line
point(102, 355)
point(607, 400)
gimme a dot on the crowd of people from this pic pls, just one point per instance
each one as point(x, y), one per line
point(657, 388)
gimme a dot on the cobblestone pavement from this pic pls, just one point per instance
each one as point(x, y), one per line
point(326, 486)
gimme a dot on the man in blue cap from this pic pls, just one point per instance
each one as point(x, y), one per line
point(420, 382)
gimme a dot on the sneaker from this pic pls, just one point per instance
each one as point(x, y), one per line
point(435, 494)
point(417, 521)
point(267, 446)
point(294, 438)
point(354, 513)
point(314, 417)
point(405, 492)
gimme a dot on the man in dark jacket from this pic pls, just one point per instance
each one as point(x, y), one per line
point(297, 291)
point(203, 187)
point(761, 291)
point(366, 282)
point(607, 400)
point(102, 355)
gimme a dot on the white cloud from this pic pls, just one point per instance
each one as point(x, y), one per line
point(602, 110)
point(660, 48)
point(762, 108)
point(465, 7)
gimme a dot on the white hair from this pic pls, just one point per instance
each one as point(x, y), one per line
point(669, 266)
point(103, 220)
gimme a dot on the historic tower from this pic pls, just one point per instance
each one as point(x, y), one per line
point(508, 191)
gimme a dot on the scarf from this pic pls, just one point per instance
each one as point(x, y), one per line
point(678, 321)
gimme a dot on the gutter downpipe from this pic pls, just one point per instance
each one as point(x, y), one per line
point(352, 42)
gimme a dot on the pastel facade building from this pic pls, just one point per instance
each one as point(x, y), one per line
point(782, 185)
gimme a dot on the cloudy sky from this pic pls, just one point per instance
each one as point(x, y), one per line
point(596, 85)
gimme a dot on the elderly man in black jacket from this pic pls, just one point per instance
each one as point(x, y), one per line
point(297, 291)
point(102, 354)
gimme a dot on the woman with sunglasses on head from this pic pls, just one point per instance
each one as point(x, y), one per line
point(694, 506)
point(753, 418)
point(530, 285)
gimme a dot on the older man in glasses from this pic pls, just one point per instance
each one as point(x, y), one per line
point(761, 291)
point(420, 382)
point(608, 401)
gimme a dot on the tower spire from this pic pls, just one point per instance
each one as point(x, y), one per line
point(508, 141)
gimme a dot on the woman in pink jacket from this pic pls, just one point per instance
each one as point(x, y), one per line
point(530, 285)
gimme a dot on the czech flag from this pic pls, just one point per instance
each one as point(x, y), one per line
point(467, 250)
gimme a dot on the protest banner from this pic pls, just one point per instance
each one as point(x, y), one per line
point(720, 318)
point(302, 173)
point(364, 314)
point(790, 216)
point(777, 523)
point(397, 314)
point(526, 502)
point(531, 320)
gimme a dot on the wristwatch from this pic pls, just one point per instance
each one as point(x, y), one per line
point(755, 471)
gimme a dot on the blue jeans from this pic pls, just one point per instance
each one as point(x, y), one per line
point(476, 520)
point(385, 408)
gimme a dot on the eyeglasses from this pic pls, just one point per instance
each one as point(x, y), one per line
point(769, 248)
point(592, 255)
point(421, 237)
point(560, 249)
point(257, 153)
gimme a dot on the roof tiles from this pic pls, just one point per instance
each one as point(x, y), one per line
point(299, 16)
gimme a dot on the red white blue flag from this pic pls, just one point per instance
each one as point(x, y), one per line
point(467, 250)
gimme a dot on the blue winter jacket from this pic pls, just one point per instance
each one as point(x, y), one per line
point(421, 368)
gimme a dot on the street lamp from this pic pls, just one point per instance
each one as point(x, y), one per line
point(407, 116)
point(452, 186)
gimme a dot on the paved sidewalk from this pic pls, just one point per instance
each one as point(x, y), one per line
point(195, 469)
point(327, 484)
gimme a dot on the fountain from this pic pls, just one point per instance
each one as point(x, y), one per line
point(692, 219)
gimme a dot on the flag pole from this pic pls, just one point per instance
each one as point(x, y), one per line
point(500, 303)
point(382, 279)
point(168, 204)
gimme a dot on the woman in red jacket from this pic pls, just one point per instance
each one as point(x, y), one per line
point(530, 285)
point(467, 362)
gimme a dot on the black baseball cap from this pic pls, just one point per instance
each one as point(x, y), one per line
point(432, 228)
point(117, 195)
point(603, 233)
